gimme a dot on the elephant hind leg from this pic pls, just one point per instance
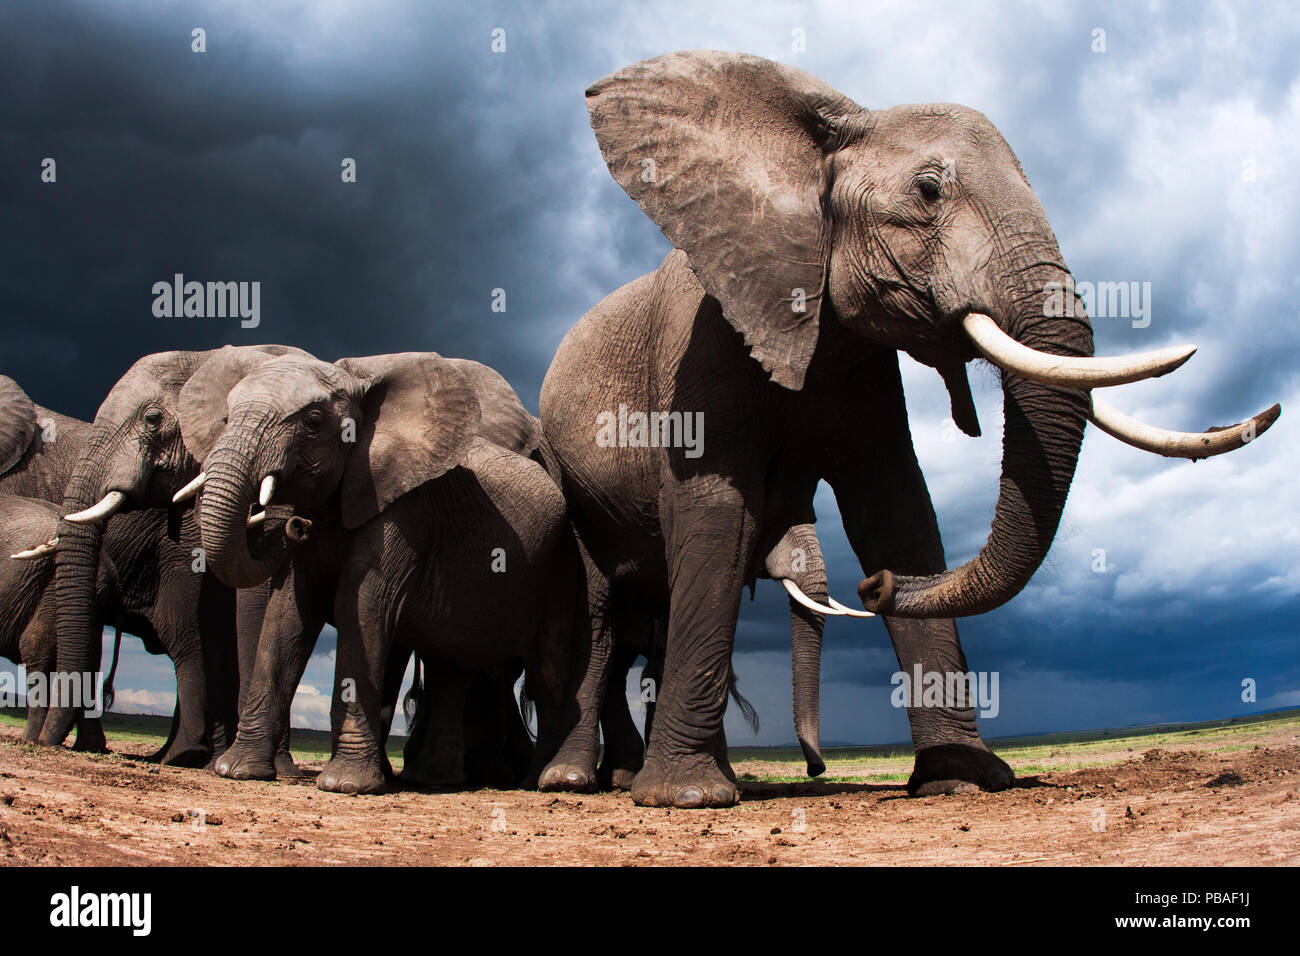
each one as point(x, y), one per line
point(580, 634)
point(624, 752)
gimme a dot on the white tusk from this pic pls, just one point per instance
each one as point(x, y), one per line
point(1006, 353)
point(190, 490)
point(256, 519)
point(38, 551)
point(1179, 444)
point(847, 610)
point(808, 602)
point(266, 491)
point(99, 511)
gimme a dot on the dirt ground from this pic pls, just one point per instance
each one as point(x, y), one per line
point(1157, 807)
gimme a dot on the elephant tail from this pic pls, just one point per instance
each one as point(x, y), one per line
point(411, 702)
point(746, 708)
point(107, 693)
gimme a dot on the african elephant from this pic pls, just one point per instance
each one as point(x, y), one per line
point(118, 499)
point(814, 241)
point(27, 614)
point(425, 529)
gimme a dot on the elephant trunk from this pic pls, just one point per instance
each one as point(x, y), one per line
point(76, 575)
point(1042, 432)
point(797, 557)
point(231, 489)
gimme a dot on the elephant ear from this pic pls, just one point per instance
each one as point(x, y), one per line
point(17, 423)
point(203, 396)
point(504, 420)
point(419, 416)
point(727, 154)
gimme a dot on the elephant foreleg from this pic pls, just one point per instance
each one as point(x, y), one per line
point(292, 622)
point(890, 522)
point(710, 534)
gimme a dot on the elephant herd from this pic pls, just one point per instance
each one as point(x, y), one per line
point(225, 505)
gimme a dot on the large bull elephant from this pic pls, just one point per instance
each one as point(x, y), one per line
point(426, 526)
point(118, 500)
point(814, 241)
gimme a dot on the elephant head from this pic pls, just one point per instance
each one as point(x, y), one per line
point(297, 430)
point(133, 458)
point(913, 227)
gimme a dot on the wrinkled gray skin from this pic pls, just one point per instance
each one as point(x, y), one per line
point(134, 447)
point(400, 464)
point(815, 239)
point(27, 616)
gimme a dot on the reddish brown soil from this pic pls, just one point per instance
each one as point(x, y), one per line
point(1180, 807)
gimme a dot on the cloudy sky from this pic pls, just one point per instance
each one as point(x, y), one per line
point(1163, 150)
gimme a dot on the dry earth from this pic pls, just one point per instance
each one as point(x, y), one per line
point(1158, 807)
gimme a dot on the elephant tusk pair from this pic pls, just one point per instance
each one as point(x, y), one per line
point(40, 550)
point(835, 610)
point(100, 511)
point(191, 489)
point(1008, 354)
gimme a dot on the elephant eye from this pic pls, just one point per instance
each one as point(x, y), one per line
point(930, 187)
point(153, 418)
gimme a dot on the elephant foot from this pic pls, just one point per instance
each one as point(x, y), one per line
point(342, 775)
point(424, 776)
point(494, 775)
point(245, 762)
point(689, 783)
point(286, 768)
point(91, 742)
point(568, 772)
point(186, 755)
point(617, 775)
point(958, 768)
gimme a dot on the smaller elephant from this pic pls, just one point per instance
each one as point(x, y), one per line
point(427, 532)
point(27, 612)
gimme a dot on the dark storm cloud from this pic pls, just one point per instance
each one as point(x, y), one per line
point(225, 165)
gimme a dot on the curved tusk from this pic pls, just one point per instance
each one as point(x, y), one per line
point(1192, 445)
point(1006, 353)
point(38, 551)
point(99, 511)
point(808, 602)
point(190, 490)
point(848, 611)
point(255, 520)
point(266, 491)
